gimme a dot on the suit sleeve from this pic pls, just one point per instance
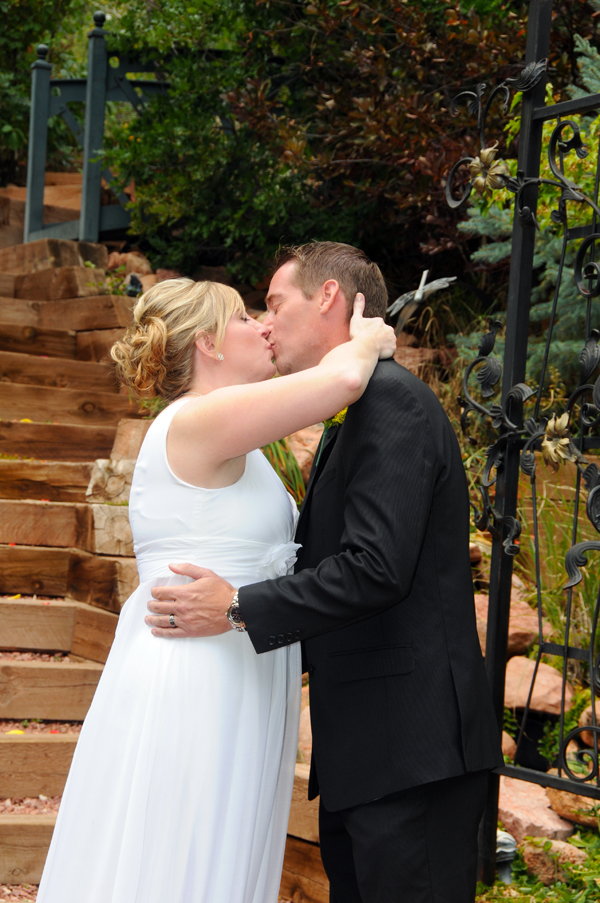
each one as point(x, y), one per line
point(388, 463)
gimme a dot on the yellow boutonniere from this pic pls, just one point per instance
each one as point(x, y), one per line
point(338, 419)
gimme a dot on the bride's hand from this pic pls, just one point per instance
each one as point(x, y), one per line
point(372, 328)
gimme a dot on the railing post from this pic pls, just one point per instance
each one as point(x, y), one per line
point(89, 223)
point(515, 357)
point(38, 139)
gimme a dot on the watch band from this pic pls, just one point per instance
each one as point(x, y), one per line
point(233, 614)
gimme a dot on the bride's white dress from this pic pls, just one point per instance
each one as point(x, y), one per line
point(181, 783)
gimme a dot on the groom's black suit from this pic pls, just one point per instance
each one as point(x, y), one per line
point(382, 600)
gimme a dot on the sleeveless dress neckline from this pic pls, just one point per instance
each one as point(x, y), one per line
point(182, 778)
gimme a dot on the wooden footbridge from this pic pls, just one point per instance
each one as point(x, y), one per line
point(68, 442)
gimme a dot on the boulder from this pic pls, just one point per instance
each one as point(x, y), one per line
point(545, 857)
point(163, 274)
point(135, 262)
point(522, 625)
point(509, 747)
point(304, 445)
point(585, 720)
point(116, 260)
point(524, 810)
point(547, 691)
point(148, 281)
point(582, 810)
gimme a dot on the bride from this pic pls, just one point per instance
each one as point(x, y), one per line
point(181, 783)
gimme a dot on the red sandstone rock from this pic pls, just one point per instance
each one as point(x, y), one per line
point(163, 275)
point(546, 864)
point(509, 747)
point(524, 810)
point(522, 625)
point(585, 720)
point(304, 445)
point(116, 260)
point(135, 262)
point(546, 693)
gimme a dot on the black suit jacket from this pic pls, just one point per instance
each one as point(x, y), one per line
point(382, 599)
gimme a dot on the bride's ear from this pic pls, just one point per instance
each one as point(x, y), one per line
point(205, 343)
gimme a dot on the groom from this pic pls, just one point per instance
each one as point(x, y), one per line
point(403, 729)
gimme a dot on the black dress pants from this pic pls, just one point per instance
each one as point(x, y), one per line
point(415, 846)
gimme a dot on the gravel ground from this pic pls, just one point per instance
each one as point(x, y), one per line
point(35, 656)
point(30, 805)
point(41, 727)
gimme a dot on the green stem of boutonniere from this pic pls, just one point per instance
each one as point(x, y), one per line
point(327, 424)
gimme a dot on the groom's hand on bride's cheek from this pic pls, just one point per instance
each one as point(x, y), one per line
point(197, 609)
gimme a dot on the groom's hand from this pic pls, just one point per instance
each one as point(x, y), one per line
point(199, 608)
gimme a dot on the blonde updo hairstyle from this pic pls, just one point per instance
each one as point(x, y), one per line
point(155, 356)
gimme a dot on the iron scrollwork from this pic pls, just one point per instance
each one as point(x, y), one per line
point(563, 436)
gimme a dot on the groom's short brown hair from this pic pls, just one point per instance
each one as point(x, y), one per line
point(322, 260)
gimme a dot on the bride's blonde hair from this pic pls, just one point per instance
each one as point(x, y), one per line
point(155, 356)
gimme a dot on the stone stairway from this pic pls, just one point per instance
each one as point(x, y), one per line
point(66, 563)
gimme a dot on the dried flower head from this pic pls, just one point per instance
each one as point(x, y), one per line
point(486, 173)
point(557, 446)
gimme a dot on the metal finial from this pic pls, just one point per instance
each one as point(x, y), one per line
point(42, 51)
point(99, 19)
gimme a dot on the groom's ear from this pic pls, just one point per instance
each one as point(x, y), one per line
point(329, 296)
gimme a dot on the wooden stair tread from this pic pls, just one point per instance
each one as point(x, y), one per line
point(36, 340)
point(47, 690)
point(60, 373)
point(96, 312)
point(56, 441)
point(34, 764)
point(46, 253)
point(31, 624)
point(24, 842)
point(64, 406)
point(56, 625)
point(102, 581)
point(57, 481)
point(102, 528)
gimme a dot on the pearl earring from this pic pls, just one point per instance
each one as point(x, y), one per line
point(220, 357)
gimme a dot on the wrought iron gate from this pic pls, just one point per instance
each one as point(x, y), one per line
point(50, 97)
point(517, 418)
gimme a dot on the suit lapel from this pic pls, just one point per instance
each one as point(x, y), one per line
point(322, 455)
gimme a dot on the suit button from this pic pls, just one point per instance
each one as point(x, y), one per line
point(271, 641)
point(311, 669)
point(280, 638)
point(297, 634)
point(289, 637)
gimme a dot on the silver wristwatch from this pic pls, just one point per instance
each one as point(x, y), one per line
point(234, 616)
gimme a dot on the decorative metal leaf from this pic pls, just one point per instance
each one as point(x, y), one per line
point(575, 559)
point(520, 392)
point(596, 393)
point(589, 357)
point(592, 506)
point(511, 545)
point(587, 275)
point(488, 341)
point(497, 415)
point(531, 426)
point(575, 143)
point(529, 77)
point(470, 99)
point(528, 464)
point(591, 476)
point(489, 375)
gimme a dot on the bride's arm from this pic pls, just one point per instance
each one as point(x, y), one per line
point(234, 420)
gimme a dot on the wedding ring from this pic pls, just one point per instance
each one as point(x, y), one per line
point(172, 620)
